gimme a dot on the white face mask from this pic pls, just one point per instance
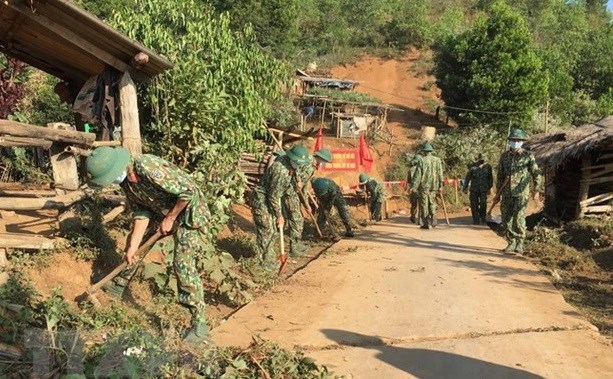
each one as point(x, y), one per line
point(516, 144)
point(121, 177)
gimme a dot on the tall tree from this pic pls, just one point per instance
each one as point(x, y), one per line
point(493, 67)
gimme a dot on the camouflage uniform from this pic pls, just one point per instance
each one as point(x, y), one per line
point(275, 188)
point(413, 197)
point(332, 197)
point(481, 180)
point(157, 186)
point(376, 193)
point(428, 181)
point(520, 166)
point(291, 204)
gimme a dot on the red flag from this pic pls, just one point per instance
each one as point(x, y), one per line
point(366, 158)
point(319, 142)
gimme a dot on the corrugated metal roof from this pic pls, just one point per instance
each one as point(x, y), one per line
point(60, 38)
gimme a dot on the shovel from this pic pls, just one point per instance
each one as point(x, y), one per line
point(495, 201)
point(90, 293)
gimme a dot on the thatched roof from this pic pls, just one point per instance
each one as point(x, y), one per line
point(552, 149)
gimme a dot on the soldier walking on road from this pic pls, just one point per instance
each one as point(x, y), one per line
point(274, 190)
point(517, 170)
point(428, 182)
point(376, 194)
point(413, 197)
point(156, 188)
point(328, 195)
point(480, 180)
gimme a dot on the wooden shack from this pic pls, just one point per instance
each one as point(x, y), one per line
point(578, 168)
point(63, 40)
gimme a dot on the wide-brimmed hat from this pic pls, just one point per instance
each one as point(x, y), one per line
point(105, 164)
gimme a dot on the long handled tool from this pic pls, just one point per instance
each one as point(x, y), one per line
point(496, 199)
point(144, 248)
point(308, 210)
point(283, 255)
point(444, 207)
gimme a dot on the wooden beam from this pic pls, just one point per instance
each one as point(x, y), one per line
point(589, 181)
point(128, 109)
point(18, 129)
point(597, 199)
point(32, 204)
point(106, 143)
point(25, 241)
point(9, 141)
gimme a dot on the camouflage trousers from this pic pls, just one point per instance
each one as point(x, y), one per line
point(478, 205)
point(191, 294)
point(513, 209)
point(427, 208)
point(265, 230)
point(376, 202)
point(295, 221)
point(326, 202)
point(414, 201)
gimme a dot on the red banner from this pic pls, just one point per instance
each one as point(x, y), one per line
point(343, 160)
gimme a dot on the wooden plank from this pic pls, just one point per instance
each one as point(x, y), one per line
point(598, 199)
point(600, 173)
point(28, 193)
point(128, 108)
point(597, 166)
point(25, 241)
point(599, 209)
point(18, 129)
point(58, 202)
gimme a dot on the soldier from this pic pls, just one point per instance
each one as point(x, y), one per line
point(376, 194)
point(413, 198)
point(428, 182)
point(300, 181)
point(274, 190)
point(329, 194)
point(517, 169)
point(480, 180)
point(155, 187)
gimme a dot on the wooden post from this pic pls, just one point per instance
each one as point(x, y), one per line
point(128, 109)
point(63, 164)
point(455, 187)
point(584, 184)
point(4, 276)
point(547, 116)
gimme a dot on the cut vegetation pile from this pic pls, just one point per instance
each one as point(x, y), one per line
point(579, 257)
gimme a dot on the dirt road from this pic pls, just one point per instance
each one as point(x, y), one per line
point(401, 302)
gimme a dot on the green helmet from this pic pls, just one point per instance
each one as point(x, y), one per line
point(363, 178)
point(427, 147)
point(105, 164)
point(324, 154)
point(517, 134)
point(299, 155)
point(320, 185)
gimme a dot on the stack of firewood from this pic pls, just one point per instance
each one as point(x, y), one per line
point(253, 166)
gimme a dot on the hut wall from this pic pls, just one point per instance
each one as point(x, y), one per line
point(566, 182)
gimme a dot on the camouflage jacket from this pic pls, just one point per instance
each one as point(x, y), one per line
point(303, 175)
point(276, 183)
point(428, 174)
point(332, 190)
point(521, 169)
point(375, 190)
point(413, 167)
point(158, 185)
point(480, 178)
